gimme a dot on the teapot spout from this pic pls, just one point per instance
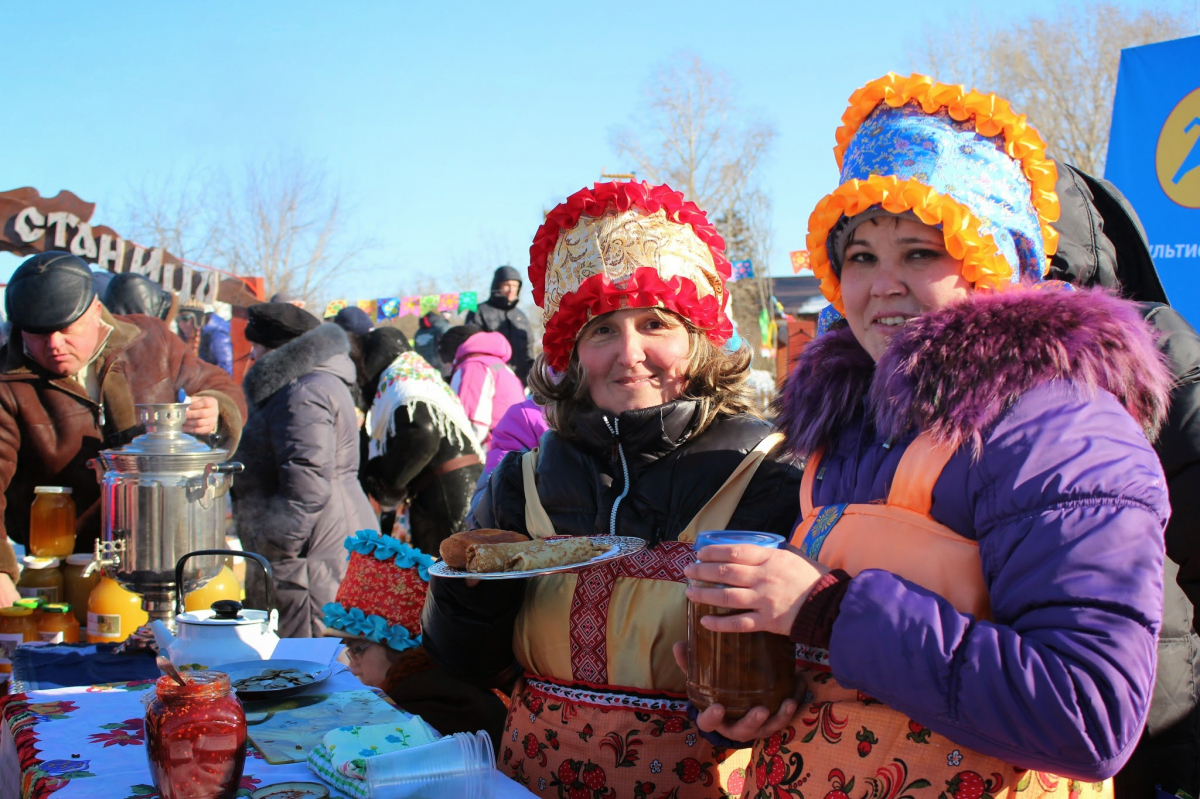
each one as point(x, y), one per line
point(162, 635)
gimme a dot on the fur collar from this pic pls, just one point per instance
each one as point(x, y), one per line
point(956, 371)
point(295, 359)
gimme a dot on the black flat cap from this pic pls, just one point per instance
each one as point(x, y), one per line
point(48, 292)
point(273, 324)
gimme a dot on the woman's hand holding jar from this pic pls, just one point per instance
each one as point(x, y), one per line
point(768, 586)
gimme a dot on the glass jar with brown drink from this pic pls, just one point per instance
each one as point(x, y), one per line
point(739, 671)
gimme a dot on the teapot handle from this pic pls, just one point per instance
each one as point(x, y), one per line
point(272, 607)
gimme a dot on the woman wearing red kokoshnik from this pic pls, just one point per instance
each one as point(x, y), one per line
point(648, 416)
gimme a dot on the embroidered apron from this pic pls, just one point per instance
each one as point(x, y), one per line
point(842, 740)
point(600, 711)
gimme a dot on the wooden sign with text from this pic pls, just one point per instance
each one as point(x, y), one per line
point(30, 223)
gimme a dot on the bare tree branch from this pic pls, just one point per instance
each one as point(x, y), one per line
point(693, 136)
point(1060, 69)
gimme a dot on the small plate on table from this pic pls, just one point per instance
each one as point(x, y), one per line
point(618, 546)
point(273, 679)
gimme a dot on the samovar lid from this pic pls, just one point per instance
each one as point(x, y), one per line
point(164, 443)
point(164, 432)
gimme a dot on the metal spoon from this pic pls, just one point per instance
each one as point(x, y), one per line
point(169, 669)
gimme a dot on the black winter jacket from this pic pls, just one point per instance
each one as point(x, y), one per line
point(500, 315)
point(1102, 243)
point(406, 469)
point(671, 475)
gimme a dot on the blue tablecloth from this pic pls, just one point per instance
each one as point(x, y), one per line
point(41, 668)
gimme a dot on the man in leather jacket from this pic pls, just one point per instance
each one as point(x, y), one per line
point(70, 377)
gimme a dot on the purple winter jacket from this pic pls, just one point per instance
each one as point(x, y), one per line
point(1050, 397)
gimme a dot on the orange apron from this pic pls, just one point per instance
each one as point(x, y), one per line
point(843, 742)
point(601, 711)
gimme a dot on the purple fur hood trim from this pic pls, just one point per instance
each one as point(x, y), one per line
point(955, 371)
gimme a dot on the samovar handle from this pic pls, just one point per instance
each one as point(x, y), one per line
point(97, 466)
point(272, 608)
point(228, 467)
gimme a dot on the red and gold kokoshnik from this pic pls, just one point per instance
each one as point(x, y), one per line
point(626, 245)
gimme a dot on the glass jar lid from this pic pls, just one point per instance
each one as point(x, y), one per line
point(735, 537)
point(52, 490)
point(56, 607)
point(16, 610)
point(31, 562)
point(80, 559)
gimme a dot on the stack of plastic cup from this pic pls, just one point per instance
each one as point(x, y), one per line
point(459, 765)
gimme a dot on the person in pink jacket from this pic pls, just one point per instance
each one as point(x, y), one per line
point(484, 383)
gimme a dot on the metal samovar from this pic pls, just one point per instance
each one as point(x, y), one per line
point(162, 496)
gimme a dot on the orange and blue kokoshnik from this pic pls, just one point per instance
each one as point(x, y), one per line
point(958, 160)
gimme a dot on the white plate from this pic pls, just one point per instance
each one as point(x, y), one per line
point(619, 546)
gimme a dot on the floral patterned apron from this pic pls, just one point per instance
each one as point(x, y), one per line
point(601, 711)
point(843, 742)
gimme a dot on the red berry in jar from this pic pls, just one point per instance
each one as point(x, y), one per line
point(196, 737)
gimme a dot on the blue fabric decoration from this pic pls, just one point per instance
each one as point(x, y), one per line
point(371, 542)
point(827, 318)
point(373, 628)
point(952, 159)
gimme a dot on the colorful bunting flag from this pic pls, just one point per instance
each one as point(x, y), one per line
point(389, 308)
point(468, 301)
point(800, 262)
point(410, 305)
point(429, 303)
point(332, 308)
point(448, 302)
point(369, 307)
point(742, 270)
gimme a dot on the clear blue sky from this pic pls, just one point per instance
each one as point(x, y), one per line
point(449, 126)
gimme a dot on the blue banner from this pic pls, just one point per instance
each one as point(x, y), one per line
point(1154, 158)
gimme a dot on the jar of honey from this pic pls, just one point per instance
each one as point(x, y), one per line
point(76, 587)
point(195, 736)
point(223, 586)
point(16, 627)
point(52, 522)
point(35, 604)
point(113, 613)
point(58, 625)
point(739, 671)
point(41, 578)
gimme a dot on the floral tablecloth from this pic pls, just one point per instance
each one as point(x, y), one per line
point(89, 742)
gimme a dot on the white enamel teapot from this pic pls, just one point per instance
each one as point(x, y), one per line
point(226, 633)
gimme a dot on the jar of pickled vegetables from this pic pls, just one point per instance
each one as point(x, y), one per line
point(41, 578)
point(52, 522)
point(113, 613)
point(16, 627)
point(58, 624)
point(195, 736)
point(76, 587)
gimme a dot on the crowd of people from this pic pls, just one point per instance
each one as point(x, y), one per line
point(983, 467)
